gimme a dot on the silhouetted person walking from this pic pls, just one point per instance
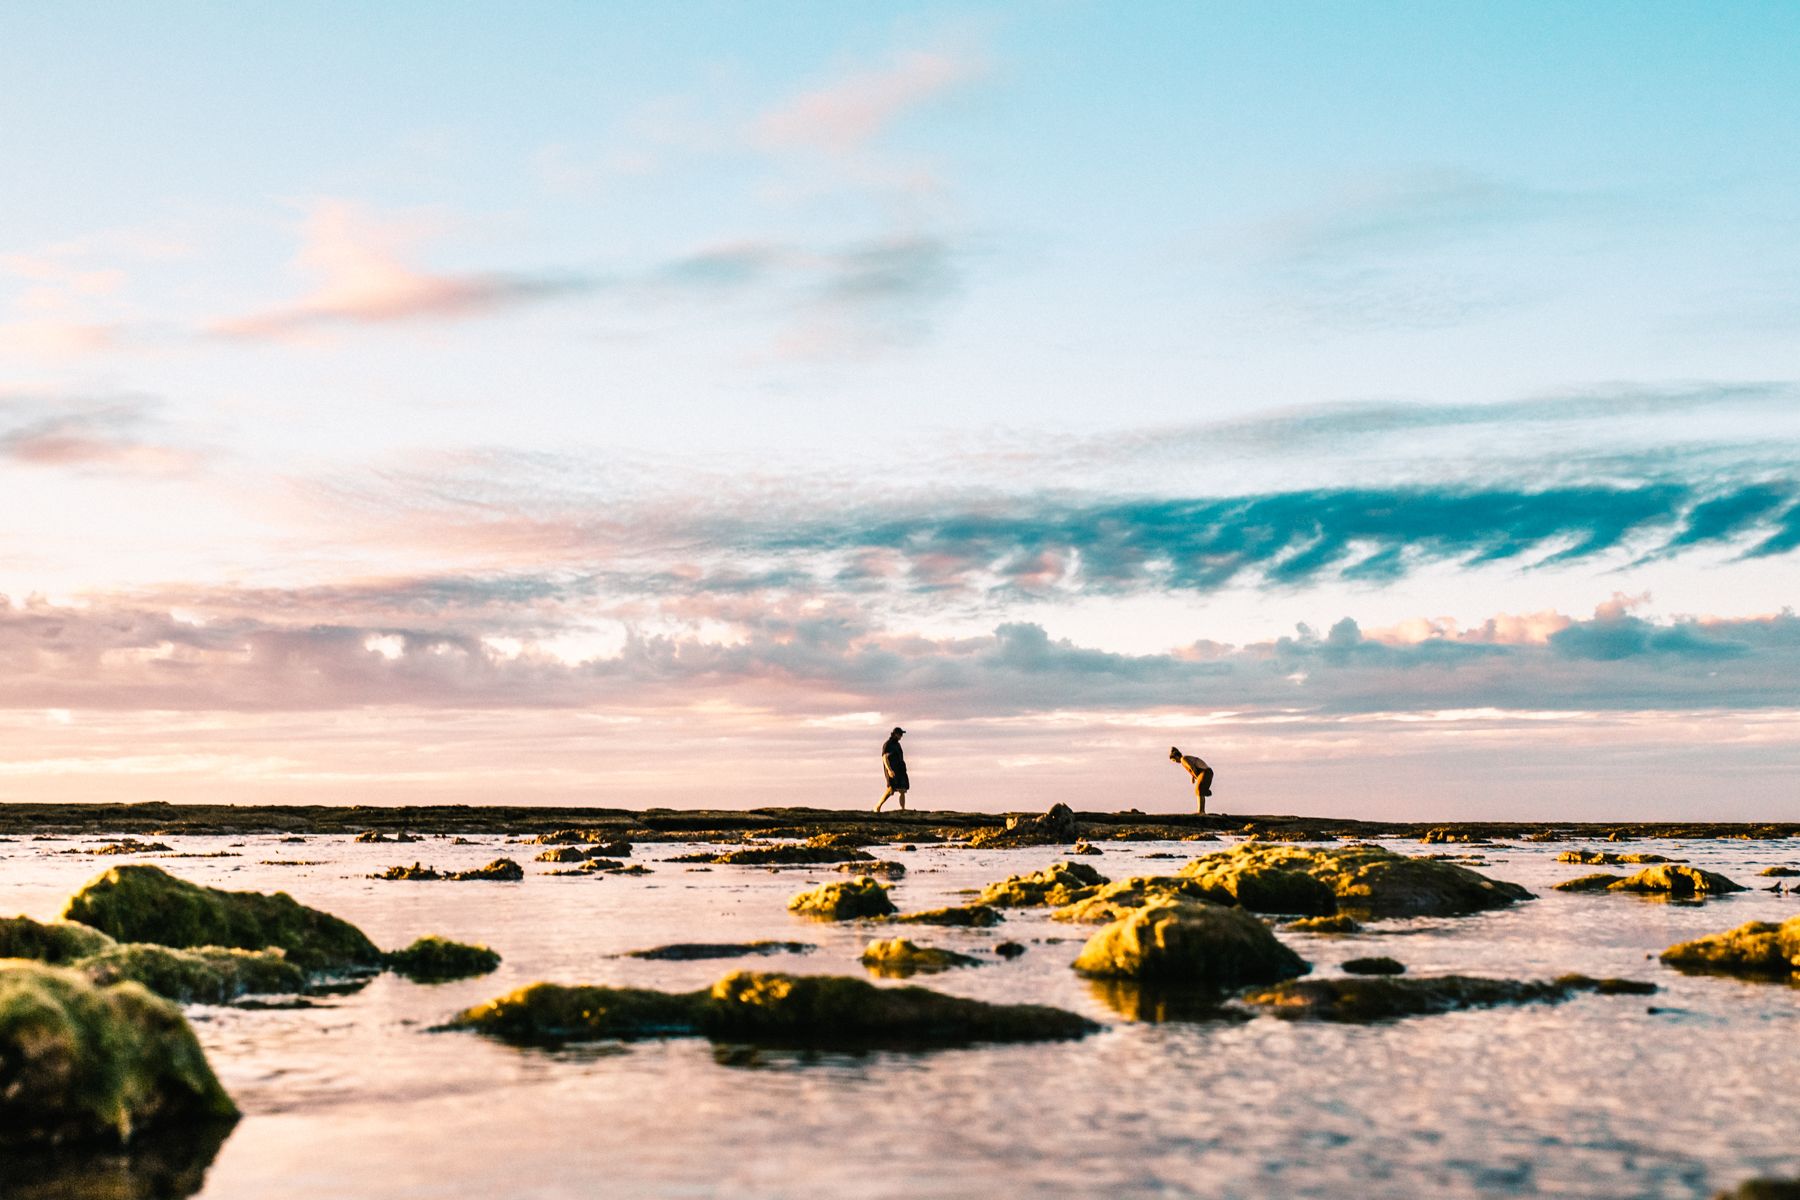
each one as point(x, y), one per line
point(893, 765)
point(1198, 771)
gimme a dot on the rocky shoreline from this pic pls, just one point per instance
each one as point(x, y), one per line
point(669, 825)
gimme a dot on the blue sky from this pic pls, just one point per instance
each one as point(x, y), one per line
point(1366, 392)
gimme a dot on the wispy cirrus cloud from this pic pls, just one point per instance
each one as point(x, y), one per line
point(121, 434)
point(364, 278)
point(845, 116)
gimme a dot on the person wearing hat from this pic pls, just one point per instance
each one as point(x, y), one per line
point(1198, 771)
point(893, 764)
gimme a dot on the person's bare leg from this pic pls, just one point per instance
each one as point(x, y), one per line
point(902, 796)
point(1200, 795)
point(884, 799)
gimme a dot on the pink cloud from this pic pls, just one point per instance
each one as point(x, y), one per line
point(846, 116)
point(364, 278)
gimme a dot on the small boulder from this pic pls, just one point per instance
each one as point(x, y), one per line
point(1381, 999)
point(434, 959)
point(1363, 880)
point(1336, 923)
point(898, 958)
point(1121, 897)
point(95, 1065)
point(1665, 879)
point(859, 897)
point(1757, 950)
point(141, 903)
point(562, 854)
point(1606, 858)
point(881, 869)
point(1189, 943)
point(1779, 872)
point(501, 870)
point(416, 873)
point(690, 951)
point(969, 916)
point(1056, 827)
point(800, 855)
point(1056, 885)
point(1009, 949)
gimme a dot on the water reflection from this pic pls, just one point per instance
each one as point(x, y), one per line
point(171, 1165)
point(1150, 1002)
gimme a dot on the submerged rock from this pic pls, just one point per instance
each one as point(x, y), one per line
point(1667, 879)
point(970, 916)
point(1381, 999)
point(56, 942)
point(859, 897)
point(129, 846)
point(1337, 923)
point(1054, 828)
point(1122, 897)
point(1009, 949)
point(90, 1064)
point(689, 951)
point(1189, 943)
point(1374, 966)
point(884, 870)
point(170, 1165)
point(1056, 885)
point(812, 1010)
point(140, 903)
point(375, 835)
point(434, 959)
point(807, 855)
point(899, 957)
point(1363, 880)
point(207, 975)
point(1759, 949)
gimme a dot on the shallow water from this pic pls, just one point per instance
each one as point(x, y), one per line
point(1601, 1096)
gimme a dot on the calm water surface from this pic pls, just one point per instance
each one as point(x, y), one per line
point(1596, 1097)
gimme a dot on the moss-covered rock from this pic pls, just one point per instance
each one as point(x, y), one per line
point(434, 959)
point(1124, 896)
point(1665, 879)
point(55, 942)
point(139, 903)
point(824, 1010)
point(880, 869)
point(859, 897)
point(1387, 998)
point(81, 1063)
point(898, 958)
point(417, 873)
point(963, 916)
point(130, 846)
point(501, 870)
point(1056, 885)
point(207, 975)
point(1759, 949)
point(1055, 827)
point(1189, 943)
point(562, 854)
point(1374, 966)
point(1336, 923)
point(812, 1010)
point(1363, 880)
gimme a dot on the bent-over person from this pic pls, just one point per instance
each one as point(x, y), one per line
point(1198, 771)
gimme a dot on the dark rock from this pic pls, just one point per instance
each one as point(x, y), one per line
point(1056, 885)
point(208, 975)
point(1054, 828)
point(779, 855)
point(129, 846)
point(1337, 923)
point(1009, 949)
point(689, 951)
point(1374, 966)
point(898, 958)
point(975, 916)
point(1779, 872)
point(1606, 858)
point(435, 959)
point(884, 870)
point(1380, 999)
point(58, 943)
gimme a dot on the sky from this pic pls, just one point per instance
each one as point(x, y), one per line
point(650, 405)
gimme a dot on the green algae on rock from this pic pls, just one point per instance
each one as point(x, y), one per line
point(898, 957)
point(1606, 858)
point(140, 903)
point(1666, 879)
point(1758, 949)
point(1184, 942)
point(205, 975)
point(879, 868)
point(1388, 998)
point(965, 916)
point(811, 1010)
point(434, 959)
point(1337, 923)
point(1362, 880)
point(859, 897)
point(55, 942)
point(91, 1064)
point(1123, 896)
point(1056, 885)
